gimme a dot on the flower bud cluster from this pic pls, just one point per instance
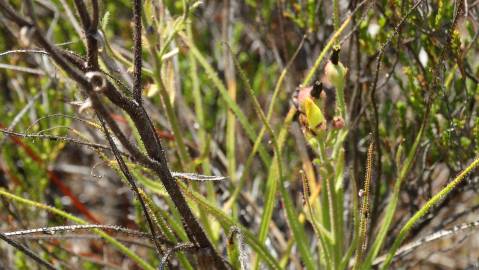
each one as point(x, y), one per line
point(325, 96)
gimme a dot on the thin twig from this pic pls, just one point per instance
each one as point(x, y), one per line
point(173, 250)
point(126, 172)
point(198, 177)
point(23, 69)
point(27, 252)
point(70, 228)
point(377, 139)
point(20, 114)
point(23, 51)
point(85, 236)
point(62, 138)
point(88, 122)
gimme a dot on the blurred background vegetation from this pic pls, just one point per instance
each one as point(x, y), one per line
point(428, 76)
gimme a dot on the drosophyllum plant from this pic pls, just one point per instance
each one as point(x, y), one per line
point(322, 116)
point(166, 108)
point(324, 123)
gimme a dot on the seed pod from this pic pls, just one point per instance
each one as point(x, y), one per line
point(334, 75)
point(338, 122)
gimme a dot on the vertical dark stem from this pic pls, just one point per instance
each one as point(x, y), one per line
point(83, 13)
point(377, 141)
point(92, 43)
point(137, 50)
point(155, 151)
point(90, 31)
point(95, 14)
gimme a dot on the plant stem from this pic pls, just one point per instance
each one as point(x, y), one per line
point(423, 211)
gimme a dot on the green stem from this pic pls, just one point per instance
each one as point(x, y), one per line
point(341, 102)
point(336, 14)
point(423, 211)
